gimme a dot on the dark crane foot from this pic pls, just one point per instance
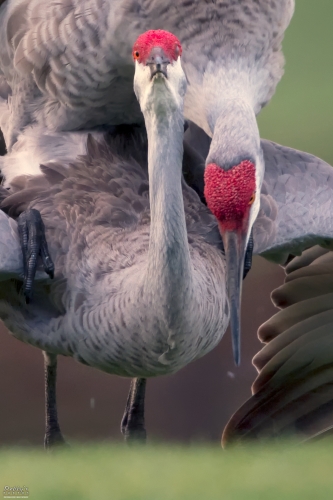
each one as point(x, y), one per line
point(33, 243)
point(133, 421)
point(54, 439)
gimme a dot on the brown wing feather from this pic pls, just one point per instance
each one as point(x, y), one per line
point(293, 392)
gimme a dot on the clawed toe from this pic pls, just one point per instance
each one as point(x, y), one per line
point(33, 243)
point(133, 432)
point(133, 436)
point(54, 440)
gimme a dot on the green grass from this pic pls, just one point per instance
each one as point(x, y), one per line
point(115, 472)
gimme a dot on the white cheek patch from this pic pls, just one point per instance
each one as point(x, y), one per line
point(141, 81)
point(175, 82)
point(177, 78)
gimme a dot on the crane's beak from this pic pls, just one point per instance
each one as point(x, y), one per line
point(157, 62)
point(235, 247)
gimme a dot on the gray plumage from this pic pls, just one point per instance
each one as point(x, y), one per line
point(97, 309)
point(296, 203)
point(97, 219)
point(292, 394)
point(66, 65)
point(11, 260)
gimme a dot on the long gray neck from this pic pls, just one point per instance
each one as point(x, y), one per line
point(235, 134)
point(169, 267)
point(236, 138)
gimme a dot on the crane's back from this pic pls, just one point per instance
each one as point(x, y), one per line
point(68, 63)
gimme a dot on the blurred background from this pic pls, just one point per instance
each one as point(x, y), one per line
point(196, 403)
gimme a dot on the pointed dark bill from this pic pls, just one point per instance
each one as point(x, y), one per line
point(235, 246)
point(158, 62)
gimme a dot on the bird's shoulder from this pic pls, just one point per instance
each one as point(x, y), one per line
point(109, 184)
point(66, 49)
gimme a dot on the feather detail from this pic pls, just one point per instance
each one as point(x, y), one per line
point(97, 218)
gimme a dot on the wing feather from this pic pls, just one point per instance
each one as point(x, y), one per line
point(293, 392)
point(296, 203)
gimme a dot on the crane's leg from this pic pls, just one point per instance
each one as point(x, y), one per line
point(133, 421)
point(33, 242)
point(53, 434)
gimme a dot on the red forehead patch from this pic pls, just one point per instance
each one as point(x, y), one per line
point(156, 38)
point(229, 193)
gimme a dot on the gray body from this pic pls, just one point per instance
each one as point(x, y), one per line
point(101, 308)
point(97, 220)
point(66, 65)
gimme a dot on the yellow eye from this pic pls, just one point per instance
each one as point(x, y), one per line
point(253, 197)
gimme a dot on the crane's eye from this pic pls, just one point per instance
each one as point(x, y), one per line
point(253, 197)
point(136, 54)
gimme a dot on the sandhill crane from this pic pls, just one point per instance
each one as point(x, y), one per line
point(292, 395)
point(140, 286)
point(66, 66)
point(145, 293)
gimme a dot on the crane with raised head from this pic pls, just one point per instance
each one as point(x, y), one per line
point(140, 286)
